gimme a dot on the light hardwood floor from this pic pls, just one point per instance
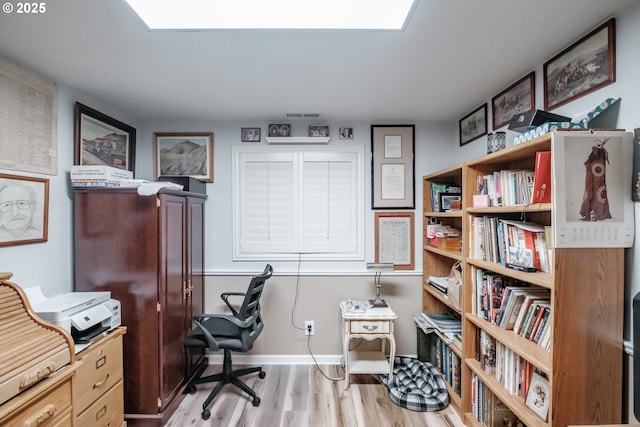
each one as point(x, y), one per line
point(300, 396)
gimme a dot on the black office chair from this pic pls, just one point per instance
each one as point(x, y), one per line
point(230, 332)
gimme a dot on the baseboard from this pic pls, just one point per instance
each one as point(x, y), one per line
point(275, 359)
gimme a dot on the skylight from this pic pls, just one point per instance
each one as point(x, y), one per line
point(273, 14)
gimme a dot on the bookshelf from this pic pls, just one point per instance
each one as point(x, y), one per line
point(437, 260)
point(583, 363)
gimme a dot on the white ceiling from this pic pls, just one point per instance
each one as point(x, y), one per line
point(453, 56)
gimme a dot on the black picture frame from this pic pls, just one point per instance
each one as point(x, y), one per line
point(103, 140)
point(276, 130)
point(517, 98)
point(446, 198)
point(250, 134)
point(586, 66)
point(473, 125)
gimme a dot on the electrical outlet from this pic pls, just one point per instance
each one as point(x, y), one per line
point(309, 327)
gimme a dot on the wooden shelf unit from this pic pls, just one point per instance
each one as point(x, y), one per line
point(438, 262)
point(584, 362)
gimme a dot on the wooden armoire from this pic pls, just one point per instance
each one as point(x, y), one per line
point(148, 251)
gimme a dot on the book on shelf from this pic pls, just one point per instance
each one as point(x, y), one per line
point(443, 322)
point(487, 352)
point(542, 178)
point(441, 283)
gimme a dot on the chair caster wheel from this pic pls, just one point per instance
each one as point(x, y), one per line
point(256, 401)
point(206, 414)
point(191, 389)
point(262, 374)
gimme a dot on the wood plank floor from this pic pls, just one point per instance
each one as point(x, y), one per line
point(300, 396)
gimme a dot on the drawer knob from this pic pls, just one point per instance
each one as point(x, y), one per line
point(370, 327)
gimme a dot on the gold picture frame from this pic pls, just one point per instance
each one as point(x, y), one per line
point(394, 239)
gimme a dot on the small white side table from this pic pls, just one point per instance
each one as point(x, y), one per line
point(370, 324)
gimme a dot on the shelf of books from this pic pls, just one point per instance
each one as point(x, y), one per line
point(442, 256)
point(541, 326)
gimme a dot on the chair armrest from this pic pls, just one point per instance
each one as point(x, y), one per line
point(225, 297)
point(211, 341)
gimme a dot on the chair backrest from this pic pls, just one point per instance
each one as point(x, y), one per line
point(251, 304)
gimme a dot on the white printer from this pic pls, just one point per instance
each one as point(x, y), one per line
point(84, 315)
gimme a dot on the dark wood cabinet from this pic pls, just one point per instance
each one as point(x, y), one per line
point(148, 251)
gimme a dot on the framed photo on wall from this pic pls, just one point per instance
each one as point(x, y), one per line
point(516, 99)
point(587, 65)
point(392, 166)
point(103, 140)
point(24, 209)
point(250, 135)
point(473, 125)
point(184, 154)
point(394, 239)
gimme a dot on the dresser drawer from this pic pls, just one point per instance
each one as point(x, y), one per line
point(98, 370)
point(48, 409)
point(108, 410)
point(370, 326)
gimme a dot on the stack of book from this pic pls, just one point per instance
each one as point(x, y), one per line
point(99, 176)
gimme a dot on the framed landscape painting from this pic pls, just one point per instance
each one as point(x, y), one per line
point(517, 98)
point(184, 154)
point(473, 125)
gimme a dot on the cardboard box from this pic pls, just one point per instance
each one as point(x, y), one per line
point(98, 172)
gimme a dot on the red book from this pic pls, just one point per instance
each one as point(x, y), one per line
point(542, 178)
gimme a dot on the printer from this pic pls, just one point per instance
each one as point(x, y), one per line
point(84, 315)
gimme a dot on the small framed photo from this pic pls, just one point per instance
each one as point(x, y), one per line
point(446, 199)
point(24, 209)
point(280, 130)
point(346, 133)
point(516, 99)
point(250, 135)
point(184, 154)
point(473, 125)
point(538, 395)
point(318, 130)
point(102, 140)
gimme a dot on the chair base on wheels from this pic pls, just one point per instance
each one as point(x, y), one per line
point(227, 376)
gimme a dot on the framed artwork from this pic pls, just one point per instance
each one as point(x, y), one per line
point(345, 133)
point(516, 99)
point(591, 184)
point(24, 209)
point(473, 125)
point(392, 166)
point(279, 130)
point(183, 154)
point(446, 199)
point(103, 140)
point(538, 395)
point(318, 130)
point(585, 66)
point(250, 134)
point(394, 239)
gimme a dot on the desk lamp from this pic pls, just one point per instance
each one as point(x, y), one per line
point(379, 266)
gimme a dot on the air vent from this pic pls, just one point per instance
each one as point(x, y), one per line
point(303, 115)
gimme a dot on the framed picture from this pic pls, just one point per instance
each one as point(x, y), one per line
point(318, 130)
point(184, 154)
point(392, 166)
point(473, 125)
point(24, 209)
point(394, 239)
point(280, 130)
point(250, 134)
point(585, 66)
point(103, 140)
point(591, 184)
point(538, 395)
point(516, 99)
point(446, 199)
point(346, 133)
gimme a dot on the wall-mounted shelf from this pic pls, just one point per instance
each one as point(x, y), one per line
point(297, 139)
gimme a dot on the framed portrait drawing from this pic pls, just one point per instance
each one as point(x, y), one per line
point(345, 133)
point(516, 99)
point(394, 239)
point(585, 66)
point(250, 134)
point(184, 154)
point(24, 209)
point(392, 166)
point(473, 125)
point(103, 140)
point(538, 395)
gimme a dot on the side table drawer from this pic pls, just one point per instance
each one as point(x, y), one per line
point(370, 327)
point(108, 410)
point(98, 371)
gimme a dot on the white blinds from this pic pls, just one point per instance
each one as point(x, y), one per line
point(288, 202)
